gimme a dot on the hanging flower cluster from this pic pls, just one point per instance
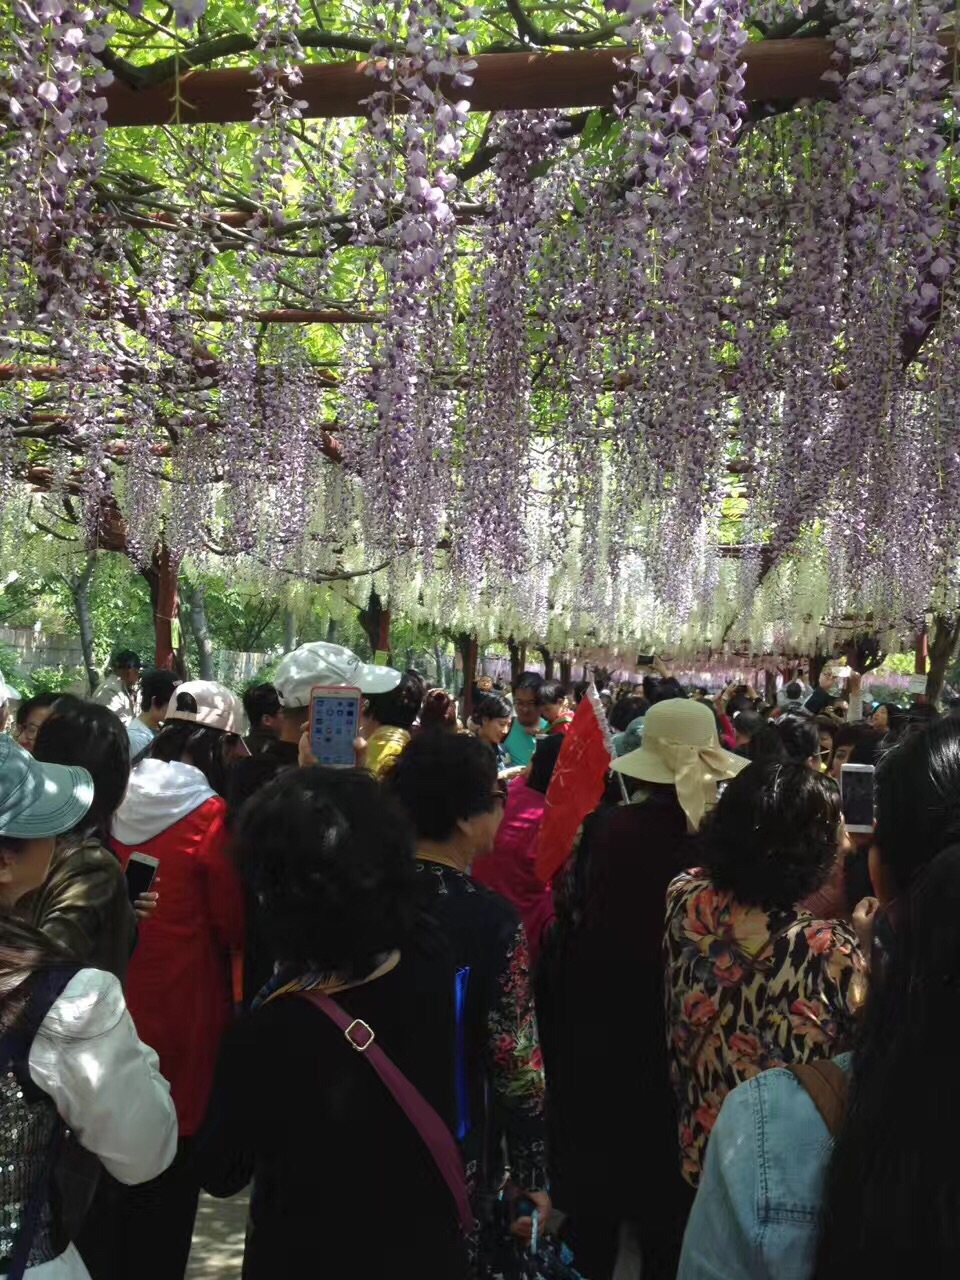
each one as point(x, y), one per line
point(685, 99)
point(51, 94)
point(405, 202)
point(186, 13)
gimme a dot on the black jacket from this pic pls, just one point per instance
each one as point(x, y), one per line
point(342, 1182)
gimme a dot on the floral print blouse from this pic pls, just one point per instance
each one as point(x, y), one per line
point(500, 1048)
point(748, 989)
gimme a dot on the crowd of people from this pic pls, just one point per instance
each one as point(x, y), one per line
point(353, 991)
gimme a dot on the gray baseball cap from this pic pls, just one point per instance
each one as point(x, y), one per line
point(38, 799)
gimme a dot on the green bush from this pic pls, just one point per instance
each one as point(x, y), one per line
point(55, 679)
point(265, 673)
point(10, 665)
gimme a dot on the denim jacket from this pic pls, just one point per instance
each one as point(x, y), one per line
point(756, 1215)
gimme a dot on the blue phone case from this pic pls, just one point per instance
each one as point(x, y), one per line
point(334, 723)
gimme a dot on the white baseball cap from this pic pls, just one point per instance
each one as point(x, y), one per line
point(216, 706)
point(322, 663)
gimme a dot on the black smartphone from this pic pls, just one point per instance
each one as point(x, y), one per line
point(645, 659)
point(141, 873)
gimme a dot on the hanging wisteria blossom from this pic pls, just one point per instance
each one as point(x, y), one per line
point(679, 364)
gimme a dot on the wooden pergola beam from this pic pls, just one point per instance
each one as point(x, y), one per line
point(54, 426)
point(54, 373)
point(776, 69)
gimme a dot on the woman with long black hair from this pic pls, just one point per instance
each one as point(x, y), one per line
point(777, 1199)
point(83, 904)
point(69, 1054)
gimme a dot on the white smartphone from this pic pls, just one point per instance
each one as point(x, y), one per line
point(141, 873)
point(842, 673)
point(856, 797)
point(334, 724)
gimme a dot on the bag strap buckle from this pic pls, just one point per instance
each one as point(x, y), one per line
point(359, 1035)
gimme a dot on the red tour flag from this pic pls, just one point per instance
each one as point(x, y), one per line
point(577, 784)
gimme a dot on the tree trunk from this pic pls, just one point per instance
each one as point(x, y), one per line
point(943, 647)
point(438, 659)
point(469, 652)
point(375, 620)
point(547, 657)
point(331, 630)
point(79, 586)
point(566, 673)
point(864, 653)
point(161, 575)
point(770, 686)
point(920, 653)
point(289, 630)
point(516, 660)
point(817, 662)
point(199, 629)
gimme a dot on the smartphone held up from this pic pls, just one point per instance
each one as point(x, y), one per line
point(334, 725)
point(857, 797)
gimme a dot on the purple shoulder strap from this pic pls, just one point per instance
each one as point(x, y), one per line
point(437, 1138)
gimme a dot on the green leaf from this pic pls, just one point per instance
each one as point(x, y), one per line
point(234, 20)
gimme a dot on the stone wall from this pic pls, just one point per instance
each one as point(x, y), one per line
point(38, 649)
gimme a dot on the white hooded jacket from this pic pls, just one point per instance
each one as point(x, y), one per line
point(160, 793)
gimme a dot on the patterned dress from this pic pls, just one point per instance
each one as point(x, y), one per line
point(500, 1067)
point(748, 989)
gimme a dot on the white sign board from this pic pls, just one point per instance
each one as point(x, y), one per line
point(918, 684)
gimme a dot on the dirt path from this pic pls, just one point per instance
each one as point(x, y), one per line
point(218, 1239)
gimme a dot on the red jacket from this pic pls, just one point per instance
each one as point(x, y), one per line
point(179, 988)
